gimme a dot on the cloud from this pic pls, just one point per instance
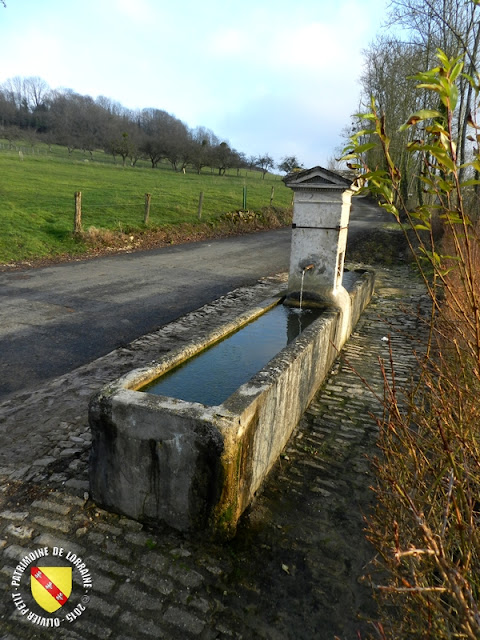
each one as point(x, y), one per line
point(300, 46)
point(281, 127)
point(35, 54)
point(276, 77)
point(138, 11)
point(228, 42)
point(296, 86)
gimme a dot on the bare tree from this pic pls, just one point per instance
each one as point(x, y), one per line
point(389, 63)
point(36, 91)
point(239, 161)
point(78, 122)
point(289, 164)
point(176, 142)
point(427, 25)
point(11, 134)
point(29, 107)
point(453, 27)
point(265, 163)
point(13, 88)
point(120, 144)
point(204, 140)
point(222, 157)
point(7, 109)
point(161, 129)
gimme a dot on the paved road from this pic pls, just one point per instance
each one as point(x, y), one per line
point(57, 318)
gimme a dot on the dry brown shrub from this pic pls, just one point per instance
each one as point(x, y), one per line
point(426, 526)
point(426, 523)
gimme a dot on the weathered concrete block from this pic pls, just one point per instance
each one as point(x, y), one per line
point(154, 462)
point(194, 467)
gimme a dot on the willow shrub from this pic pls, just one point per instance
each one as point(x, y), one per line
point(426, 523)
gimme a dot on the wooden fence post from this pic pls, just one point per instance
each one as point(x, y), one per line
point(271, 195)
point(200, 205)
point(148, 200)
point(77, 223)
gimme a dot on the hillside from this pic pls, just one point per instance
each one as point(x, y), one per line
point(37, 187)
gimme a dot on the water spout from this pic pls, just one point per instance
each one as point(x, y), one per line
point(307, 268)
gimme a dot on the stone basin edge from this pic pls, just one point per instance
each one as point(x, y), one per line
point(193, 467)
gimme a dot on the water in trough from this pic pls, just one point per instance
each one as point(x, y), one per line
point(215, 373)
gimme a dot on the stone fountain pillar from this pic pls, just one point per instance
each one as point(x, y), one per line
point(321, 212)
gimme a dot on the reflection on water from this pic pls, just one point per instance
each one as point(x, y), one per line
point(214, 374)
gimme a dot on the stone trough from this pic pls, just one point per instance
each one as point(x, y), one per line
point(197, 467)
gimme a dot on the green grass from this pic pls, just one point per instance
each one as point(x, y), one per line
point(37, 198)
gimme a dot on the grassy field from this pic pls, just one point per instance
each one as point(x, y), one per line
point(37, 198)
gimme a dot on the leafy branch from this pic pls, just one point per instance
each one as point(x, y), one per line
point(426, 523)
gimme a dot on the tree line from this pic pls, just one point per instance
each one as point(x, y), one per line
point(30, 110)
point(416, 29)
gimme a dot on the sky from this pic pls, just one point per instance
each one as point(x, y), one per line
point(267, 76)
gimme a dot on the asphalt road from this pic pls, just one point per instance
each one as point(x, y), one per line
point(57, 318)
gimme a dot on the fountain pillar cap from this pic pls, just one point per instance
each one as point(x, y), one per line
point(317, 178)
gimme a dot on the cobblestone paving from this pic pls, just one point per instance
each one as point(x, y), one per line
point(294, 569)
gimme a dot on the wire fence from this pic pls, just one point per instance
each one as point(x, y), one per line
point(93, 204)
